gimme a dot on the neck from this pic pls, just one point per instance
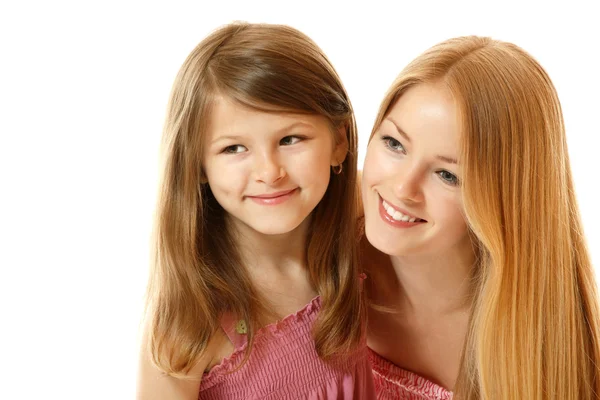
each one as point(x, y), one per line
point(436, 283)
point(270, 253)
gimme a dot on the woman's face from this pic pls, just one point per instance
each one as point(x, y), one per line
point(411, 177)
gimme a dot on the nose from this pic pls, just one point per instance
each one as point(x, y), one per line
point(268, 168)
point(409, 185)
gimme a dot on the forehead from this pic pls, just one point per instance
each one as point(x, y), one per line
point(428, 114)
point(231, 118)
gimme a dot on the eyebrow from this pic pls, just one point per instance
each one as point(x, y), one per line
point(400, 131)
point(445, 159)
point(228, 137)
point(275, 133)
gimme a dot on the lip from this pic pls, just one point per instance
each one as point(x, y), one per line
point(273, 198)
point(391, 221)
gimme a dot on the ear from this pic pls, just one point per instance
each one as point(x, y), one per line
point(340, 149)
point(202, 179)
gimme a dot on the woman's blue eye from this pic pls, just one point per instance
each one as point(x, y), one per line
point(236, 148)
point(289, 140)
point(393, 144)
point(448, 177)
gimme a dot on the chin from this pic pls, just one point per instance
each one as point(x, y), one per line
point(276, 228)
point(378, 240)
point(391, 244)
point(385, 247)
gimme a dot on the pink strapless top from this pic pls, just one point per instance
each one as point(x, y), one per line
point(284, 364)
point(393, 382)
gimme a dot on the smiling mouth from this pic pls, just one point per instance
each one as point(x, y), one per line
point(273, 195)
point(397, 215)
point(272, 199)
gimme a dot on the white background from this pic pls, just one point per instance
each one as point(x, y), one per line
point(83, 91)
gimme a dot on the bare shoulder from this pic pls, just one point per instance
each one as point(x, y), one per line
point(154, 384)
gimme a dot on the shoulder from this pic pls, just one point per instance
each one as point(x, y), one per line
point(154, 384)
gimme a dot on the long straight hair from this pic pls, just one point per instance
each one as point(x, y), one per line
point(197, 275)
point(534, 329)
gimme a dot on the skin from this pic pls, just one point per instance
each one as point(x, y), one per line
point(422, 268)
point(250, 159)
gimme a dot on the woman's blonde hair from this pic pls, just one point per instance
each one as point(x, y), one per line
point(197, 275)
point(534, 330)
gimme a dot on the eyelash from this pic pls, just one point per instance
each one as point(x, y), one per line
point(454, 179)
point(388, 140)
point(230, 149)
point(299, 139)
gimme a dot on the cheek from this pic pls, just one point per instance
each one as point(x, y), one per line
point(225, 178)
point(450, 212)
point(315, 174)
point(310, 165)
point(374, 166)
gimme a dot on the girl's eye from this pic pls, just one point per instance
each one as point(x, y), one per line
point(236, 148)
point(289, 140)
point(393, 144)
point(448, 177)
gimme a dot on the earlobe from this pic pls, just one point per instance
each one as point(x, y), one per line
point(341, 147)
point(203, 179)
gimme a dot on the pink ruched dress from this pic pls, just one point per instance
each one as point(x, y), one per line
point(284, 364)
point(393, 382)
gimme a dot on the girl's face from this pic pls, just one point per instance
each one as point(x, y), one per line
point(411, 178)
point(268, 170)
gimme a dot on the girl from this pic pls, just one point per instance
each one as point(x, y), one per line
point(470, 209)
point(254, 291)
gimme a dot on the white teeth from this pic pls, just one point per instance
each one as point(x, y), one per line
point(390, 211)
point(397, 215)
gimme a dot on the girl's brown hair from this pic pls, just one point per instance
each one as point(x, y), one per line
point(197, 274)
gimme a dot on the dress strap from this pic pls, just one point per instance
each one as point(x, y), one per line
point(235, 329)
point(362, 278)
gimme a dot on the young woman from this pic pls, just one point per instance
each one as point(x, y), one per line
point(481, 284)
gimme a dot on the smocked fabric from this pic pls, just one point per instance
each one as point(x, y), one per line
point(393, 382)
point(284, 364)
